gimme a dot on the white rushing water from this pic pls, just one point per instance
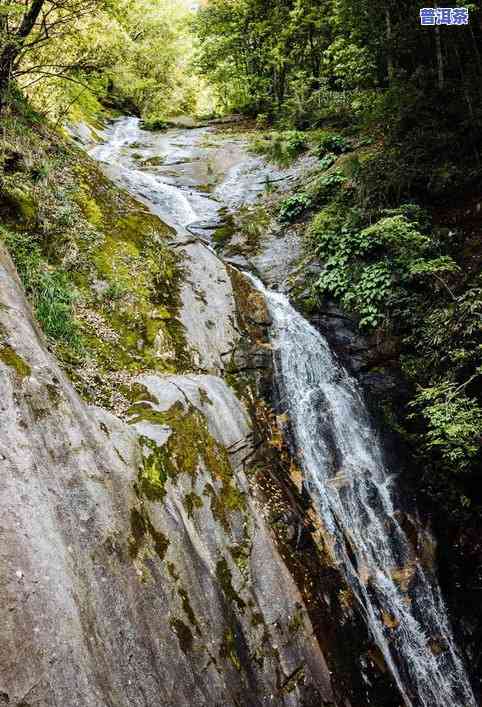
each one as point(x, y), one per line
point(172, 204)
point(341, 456)
point(343, 468)
point(195, 176)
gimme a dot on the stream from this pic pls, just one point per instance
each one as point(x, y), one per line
point(191, 179)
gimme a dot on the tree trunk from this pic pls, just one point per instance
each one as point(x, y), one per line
point(13, 46)
point(388, 24)
point(7, 58)
point(440, 59)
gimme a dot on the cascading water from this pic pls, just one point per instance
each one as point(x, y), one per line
point(344, 471)
point(340, 454)
point(122, 154)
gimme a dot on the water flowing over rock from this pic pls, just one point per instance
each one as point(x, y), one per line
point(345, 474)
point(341, 459)
point(184, 555)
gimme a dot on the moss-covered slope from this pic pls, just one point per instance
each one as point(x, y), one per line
point(96, 265)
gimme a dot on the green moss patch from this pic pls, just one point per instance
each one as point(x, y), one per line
point(228, 651)
point(192, 501)
point(223, 573)
point(10, 358)
point(189, 443)
point(141, 530)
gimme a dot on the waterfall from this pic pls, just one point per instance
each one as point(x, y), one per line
point(343, 469)
point(340, 454)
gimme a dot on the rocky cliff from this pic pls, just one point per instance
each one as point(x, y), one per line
point(138, 568)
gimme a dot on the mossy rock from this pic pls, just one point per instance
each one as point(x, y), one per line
point(141, 530)
point(189, 446)
point(22, 202)
point(94, 234)
point(11, 359)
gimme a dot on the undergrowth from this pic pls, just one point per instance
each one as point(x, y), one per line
point(50, 290)
point(95, 264)
point(280, 147)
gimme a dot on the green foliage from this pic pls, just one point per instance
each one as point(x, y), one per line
point(349, 64)
point(262, 121)
point(370, 294)
point(133, 57)
point(454, 424)
point(366, 268)
point(441, 265)
point(50, 290)
point(280, 147)
point(293, 206)
point(326, 187)
point(291, 59)
point(331, 142)
point(327, 161)
point(155, 124)
point(295, 143)
point(114, 292)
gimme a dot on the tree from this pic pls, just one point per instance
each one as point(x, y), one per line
point(28, 24)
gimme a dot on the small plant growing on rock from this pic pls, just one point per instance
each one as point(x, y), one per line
point(330, 142)
point(293, 207)
point(154, 124)
point(327, 161)
point(50, 290)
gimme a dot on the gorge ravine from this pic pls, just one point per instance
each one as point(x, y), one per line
point(176, 547)
point(340, 454)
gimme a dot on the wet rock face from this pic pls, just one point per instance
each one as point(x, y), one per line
point(257, 310)
point(137, 567)
point(208, 313)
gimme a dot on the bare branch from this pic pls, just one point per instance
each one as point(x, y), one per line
point(63, 77)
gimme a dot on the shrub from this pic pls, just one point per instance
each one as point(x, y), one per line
point(454, 423)
point(331, 142)
point(366, 268)
point(295, 143)
point(326, 187)
point(293, 207)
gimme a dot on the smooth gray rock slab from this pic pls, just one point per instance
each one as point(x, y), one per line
point(98, 613)
point(208, 310)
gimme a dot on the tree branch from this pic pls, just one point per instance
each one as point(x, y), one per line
point(29, 19)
